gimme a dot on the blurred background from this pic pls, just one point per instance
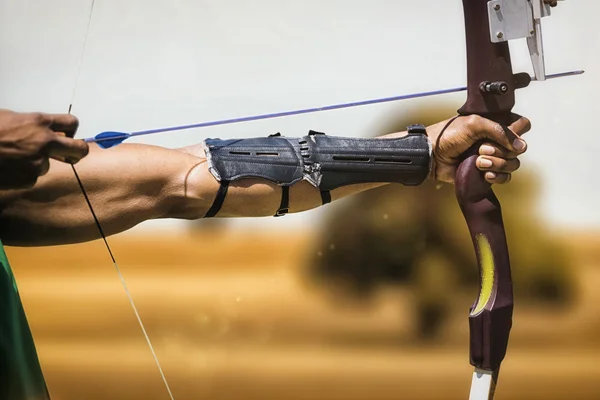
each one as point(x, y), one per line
point(366, 298)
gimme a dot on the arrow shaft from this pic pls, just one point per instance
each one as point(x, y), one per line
point(301, 111)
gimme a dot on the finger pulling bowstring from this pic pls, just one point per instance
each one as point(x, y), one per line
point(99, 226)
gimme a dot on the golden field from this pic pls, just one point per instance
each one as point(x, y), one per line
point(233, 316)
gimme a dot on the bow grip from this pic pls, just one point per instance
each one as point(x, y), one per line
point(490, 318)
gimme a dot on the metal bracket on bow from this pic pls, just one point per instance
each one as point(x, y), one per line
point(519, 19)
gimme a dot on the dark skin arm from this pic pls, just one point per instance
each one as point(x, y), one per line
point(132, 183)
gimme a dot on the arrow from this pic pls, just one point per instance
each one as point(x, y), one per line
point(110, 139)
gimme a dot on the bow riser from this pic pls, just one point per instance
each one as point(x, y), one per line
point(491, 87)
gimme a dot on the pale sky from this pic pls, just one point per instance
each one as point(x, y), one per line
point(155, 63)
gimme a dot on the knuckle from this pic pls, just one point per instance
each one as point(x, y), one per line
point(499, 130)
point(502, 164)
point(499, 151)
point(472, 120)
point(517, 164)
point(37, 165)
point(39, 118)
point(73, 121)
point(46, 141)
point(82, 148)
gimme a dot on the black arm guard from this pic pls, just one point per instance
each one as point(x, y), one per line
point(331, 162)
point(327, 162)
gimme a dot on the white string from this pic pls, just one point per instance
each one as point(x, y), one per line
point(97, 221)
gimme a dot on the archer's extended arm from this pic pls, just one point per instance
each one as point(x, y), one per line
point(132, 183)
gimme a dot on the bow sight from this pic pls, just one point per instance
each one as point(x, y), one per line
point(519, 19)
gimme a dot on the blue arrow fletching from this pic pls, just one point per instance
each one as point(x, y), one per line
point(109, 139)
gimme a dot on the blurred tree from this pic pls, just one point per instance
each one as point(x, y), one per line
point(417, 236)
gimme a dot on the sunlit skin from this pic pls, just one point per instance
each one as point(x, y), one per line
point(132, 183)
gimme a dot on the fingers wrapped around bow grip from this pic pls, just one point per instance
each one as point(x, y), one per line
point(491, 87)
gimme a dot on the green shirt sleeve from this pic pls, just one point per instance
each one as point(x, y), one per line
point(21, 376)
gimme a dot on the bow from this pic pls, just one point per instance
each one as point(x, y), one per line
point(491, 93)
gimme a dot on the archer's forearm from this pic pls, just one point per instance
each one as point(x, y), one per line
point(131, 184)
point(126, 185)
